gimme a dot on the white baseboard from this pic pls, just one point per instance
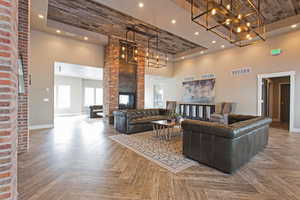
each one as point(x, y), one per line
point(43, 126)
point(295, 130)
point(68, 114)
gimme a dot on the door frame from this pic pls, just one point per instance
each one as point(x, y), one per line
point(292, 75)
point(279, 96)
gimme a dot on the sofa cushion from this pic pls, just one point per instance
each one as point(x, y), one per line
point(147, 119)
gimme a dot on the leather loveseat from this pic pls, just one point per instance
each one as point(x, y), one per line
point(133, 121)
point(225, 147)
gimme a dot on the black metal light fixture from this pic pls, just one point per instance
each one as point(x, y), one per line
point(238, 21)
point(147, 48)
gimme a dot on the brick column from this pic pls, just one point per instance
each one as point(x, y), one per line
point(141, 81)
point(23, 46)
point(111, 76)
point(8, 98)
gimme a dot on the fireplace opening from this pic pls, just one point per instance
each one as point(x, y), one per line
point(126, 101)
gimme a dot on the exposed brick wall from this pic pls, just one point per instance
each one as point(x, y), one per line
point(111, 77)
point(141, 81)
point(23, 46)
point(8, 98)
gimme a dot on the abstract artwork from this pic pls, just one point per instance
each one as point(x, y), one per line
point(199, 91)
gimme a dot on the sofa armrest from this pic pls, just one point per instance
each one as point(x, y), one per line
point(244, 127)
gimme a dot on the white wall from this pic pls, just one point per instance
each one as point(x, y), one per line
point(243, 89)
point(45, 50)
point(164, 83)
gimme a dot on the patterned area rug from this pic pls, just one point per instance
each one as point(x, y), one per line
point(167, 154)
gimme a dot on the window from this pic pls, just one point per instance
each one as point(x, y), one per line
point(89, 96)
point(63, 96)
point(99, 96)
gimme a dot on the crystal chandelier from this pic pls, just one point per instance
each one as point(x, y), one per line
point(238, 21)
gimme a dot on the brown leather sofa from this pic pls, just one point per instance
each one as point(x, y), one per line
point(134, 121)
point(225, 147)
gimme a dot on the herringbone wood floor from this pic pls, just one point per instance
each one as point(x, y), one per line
point(77, 161)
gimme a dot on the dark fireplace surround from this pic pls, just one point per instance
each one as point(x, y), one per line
point(127, 85)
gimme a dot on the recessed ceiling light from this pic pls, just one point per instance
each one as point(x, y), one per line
point(85, 38)
point(182, 57)
point(223, 46)
point(141, 5)
point(196, 33)
point(173, 21)
point(202, 52)
point(58, 31)
point(41, 16)
point(214, 41)
point(294, 26)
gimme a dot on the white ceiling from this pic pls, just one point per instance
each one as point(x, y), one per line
point(159, 13)
point(40, 7)
point(78, 71)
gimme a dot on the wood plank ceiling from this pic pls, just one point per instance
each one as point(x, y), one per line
point(272, 10)
point(93, 16)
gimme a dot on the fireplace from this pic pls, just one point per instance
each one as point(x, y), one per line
point(126, 100)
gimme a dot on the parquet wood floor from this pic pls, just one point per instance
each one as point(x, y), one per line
point(77, 161)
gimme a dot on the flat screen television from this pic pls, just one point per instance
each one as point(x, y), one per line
point(21, 81)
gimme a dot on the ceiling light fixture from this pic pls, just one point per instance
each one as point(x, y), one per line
point(182, 58)
point(231, 20)
point(173, 21)
point(214, 41)
point(223, 46)
point(86, 38)
point(58, 31)
point(141, 5)
point(154, 56)
point(202, 52)
point(196, 33)
point(294, 26)
point(41, 16)
point(214, 11)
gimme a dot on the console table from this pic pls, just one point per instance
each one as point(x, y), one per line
point(197, 111)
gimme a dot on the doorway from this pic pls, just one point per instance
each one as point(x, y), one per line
point(276, 98)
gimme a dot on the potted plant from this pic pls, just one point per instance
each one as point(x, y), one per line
point(173, 116)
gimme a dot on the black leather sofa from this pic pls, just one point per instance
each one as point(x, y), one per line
point(225, 147)
point(95, 111)
point(134, 121)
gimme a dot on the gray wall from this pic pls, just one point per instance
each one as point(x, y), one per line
point(243, 89)
point(45, 49)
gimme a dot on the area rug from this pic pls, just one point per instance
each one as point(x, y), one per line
point(167, 154)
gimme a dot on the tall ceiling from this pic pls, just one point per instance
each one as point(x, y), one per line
point(272, 10)
point(93, 16)
point(104, 17)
